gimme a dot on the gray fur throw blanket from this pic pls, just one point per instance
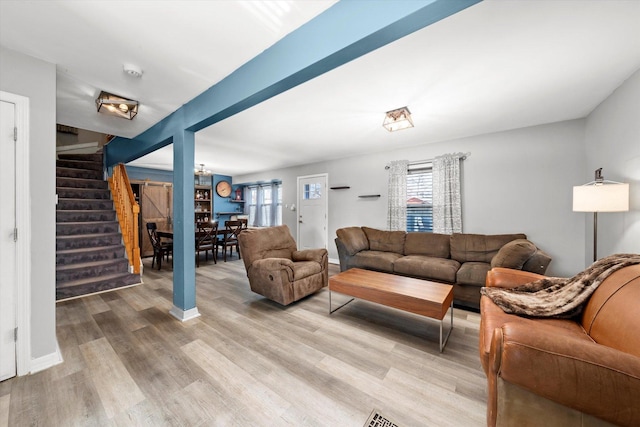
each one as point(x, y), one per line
point(558, 297)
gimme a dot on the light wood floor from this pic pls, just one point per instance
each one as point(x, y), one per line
point(247, 362)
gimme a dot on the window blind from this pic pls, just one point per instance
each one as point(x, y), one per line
point(420, 197)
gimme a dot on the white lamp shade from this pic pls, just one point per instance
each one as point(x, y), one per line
point(601, 198)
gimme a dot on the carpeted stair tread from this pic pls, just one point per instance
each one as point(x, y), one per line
point(83, 193)
point(84, 204)
point(77, 241)
point(62, 181)
point(74, 228)
point(97, 157)
point(82, 255)
point(88, 286)
point(93, 269)
point(77, 215)
point(78, 173)
point(79, 164)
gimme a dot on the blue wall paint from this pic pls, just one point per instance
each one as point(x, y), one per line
point(222, 204)
point(184, 252)
point(136, 173)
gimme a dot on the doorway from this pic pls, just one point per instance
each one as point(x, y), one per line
point(8, 237)
point(312, 211)
point(16, 334)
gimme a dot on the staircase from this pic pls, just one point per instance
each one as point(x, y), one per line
point(90, 256)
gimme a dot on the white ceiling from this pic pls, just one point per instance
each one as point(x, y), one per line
point(498, 65)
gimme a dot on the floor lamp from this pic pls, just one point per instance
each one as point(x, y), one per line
point(600, 196)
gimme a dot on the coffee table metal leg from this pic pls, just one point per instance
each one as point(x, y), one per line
point(338, 308)
point(442, 344)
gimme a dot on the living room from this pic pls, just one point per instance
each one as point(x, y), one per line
point(515, 179)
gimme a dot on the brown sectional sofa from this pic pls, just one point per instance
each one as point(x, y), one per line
point(460, 259)
point(583, 371)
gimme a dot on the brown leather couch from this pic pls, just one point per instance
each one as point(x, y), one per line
point(564, 372)
point(277, 269)
point(461, 259)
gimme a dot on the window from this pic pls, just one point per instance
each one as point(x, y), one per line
point(312, 191)
point(263, 209)
point(419, 198)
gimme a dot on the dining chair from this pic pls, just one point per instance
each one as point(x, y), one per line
point(206, 240)
point(160, 248)
point(230, 237)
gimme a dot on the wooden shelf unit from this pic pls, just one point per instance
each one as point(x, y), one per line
point(203, 204)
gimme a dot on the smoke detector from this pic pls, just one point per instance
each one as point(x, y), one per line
point(132, 70)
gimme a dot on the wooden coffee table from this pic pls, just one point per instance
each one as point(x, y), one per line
point(430, 299)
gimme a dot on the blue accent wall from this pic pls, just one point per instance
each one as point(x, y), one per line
point(136, 173)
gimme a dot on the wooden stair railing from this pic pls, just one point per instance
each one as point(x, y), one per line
point(127, 209)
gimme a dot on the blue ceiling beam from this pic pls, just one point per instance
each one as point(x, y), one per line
point(345, 31)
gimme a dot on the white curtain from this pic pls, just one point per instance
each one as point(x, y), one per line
point(447, 200)
point(261, 204)
point(397, 219)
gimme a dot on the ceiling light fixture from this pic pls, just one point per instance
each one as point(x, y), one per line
point(114, 105)
point(202, 171)
point(397, 119)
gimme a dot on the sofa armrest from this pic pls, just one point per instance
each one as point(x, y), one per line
point(274, 265)
point(509, 278)
point(317, 255)
point(572, 371)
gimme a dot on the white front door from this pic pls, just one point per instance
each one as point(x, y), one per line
point(7, 242)
point(312, 212)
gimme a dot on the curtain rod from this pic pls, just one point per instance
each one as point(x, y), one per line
point(417, 162)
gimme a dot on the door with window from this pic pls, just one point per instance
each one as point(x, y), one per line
point(312, 211)
point(7, 242)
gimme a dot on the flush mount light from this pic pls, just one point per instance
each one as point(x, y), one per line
point(114, 105)
point(397, 119)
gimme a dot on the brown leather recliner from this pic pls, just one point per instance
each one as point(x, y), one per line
point(564, 372)
point(276, 269)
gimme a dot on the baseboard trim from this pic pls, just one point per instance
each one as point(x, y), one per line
point(184, 315)
point(334, 261)
point(46, 361)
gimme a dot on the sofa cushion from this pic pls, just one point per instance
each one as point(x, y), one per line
point(429, 244)
point(302, 269)
point(386, 241)
point(426, 267)
point(353, 239)
point(479, 247)
point(473, 273)
point(375, 260)
point(514, 254)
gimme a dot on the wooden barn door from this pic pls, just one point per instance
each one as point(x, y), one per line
point(156, 205)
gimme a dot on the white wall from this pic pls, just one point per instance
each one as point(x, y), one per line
point(514, 181)
point(613, 143)
point(36, 80)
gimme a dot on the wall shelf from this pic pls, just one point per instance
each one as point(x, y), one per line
point(369, 196)
point(344, 187)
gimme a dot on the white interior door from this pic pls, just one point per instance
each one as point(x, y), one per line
point(7, 242)
point(312, 212)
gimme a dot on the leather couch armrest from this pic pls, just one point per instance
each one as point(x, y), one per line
point(570, 370)
point(509, 278)
point(317, 255)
